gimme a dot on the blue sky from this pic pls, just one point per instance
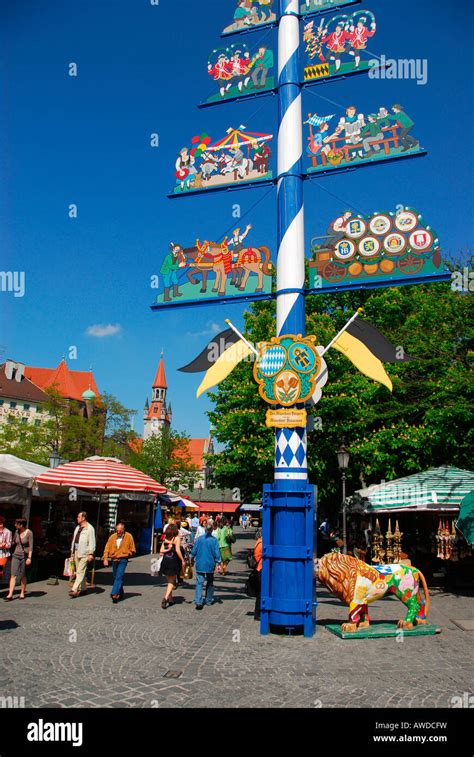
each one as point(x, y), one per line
point(85, 140)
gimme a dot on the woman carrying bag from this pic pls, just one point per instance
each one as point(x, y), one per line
point(21, 557)
point(5, 544)
point(171, 563)
point(225, 538)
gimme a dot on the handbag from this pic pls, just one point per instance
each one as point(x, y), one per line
point(188, 572)
point(230, 538)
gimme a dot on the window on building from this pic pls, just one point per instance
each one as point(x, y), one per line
point(24, 420)
point(12, 404)
point(155, 409)
point(26, 406)
point(37, 423)
point(1, 402)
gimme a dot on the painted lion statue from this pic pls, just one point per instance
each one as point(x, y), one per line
point(359, 584)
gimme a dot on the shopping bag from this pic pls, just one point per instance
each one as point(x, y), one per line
point(69, 567)
point(3, 563)
point(156, 565)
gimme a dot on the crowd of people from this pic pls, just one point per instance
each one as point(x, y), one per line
point(201, 544)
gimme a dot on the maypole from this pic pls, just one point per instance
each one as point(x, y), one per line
point(288, 507)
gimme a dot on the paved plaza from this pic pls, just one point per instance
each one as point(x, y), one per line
point(88, 652)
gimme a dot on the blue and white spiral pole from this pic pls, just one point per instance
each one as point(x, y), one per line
point(290, 449)
point(288, 520)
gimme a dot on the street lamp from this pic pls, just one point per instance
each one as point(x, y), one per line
point(343, 458)
point(54, 459)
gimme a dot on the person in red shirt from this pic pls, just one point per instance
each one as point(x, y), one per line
point(336, 43)
point(358, 37)
point(221, 72)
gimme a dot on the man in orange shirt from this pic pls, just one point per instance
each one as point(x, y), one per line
point(119, 548)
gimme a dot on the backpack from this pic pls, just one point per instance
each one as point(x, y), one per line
point(251, 561)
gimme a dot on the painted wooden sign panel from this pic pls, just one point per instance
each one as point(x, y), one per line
point(240, 157)
point(315, 6)
point(252, 14)
point(208, 270)
point(337, 46)
point(355, 138)
point(386, 247)
point(239, 70)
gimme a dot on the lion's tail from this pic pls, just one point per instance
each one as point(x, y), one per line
point(426, 592)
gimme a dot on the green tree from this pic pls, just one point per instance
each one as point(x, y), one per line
point(64, 429)
point(117, 431)
point(425, 422)
point(166, 458)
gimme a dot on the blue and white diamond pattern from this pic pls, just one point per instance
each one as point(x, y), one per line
point(290, 449)
point(272, 361)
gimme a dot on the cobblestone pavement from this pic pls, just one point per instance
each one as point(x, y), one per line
point(87, 652)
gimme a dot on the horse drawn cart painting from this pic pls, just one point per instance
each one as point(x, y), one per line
point(209, 270)
point(384, 247)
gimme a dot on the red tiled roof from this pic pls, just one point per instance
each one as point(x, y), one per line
point(197, 448)
point(160, 378)
point(20, 390)
point(70, 384)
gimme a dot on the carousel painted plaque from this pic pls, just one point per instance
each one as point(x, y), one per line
point(240, 157)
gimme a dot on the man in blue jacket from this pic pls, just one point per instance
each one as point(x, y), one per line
point(206, 555)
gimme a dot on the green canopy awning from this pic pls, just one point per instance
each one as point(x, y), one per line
point(465, 522)
point(435, 490)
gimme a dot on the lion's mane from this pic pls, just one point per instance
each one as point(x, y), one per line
point(339, 572)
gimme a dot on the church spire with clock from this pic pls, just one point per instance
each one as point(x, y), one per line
point(157, 414)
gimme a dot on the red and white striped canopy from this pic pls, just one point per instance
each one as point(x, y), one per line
point(101, 474)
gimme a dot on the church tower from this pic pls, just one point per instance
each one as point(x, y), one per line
point(157, 414)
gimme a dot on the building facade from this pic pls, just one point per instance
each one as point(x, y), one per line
point(158, 415)
point(23, 390)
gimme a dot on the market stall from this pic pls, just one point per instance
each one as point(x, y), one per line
point(415, 519)
point(104, 487)
point(16, 483)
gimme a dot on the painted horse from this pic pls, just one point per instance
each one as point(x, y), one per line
point(207, 257)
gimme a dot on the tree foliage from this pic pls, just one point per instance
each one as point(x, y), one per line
point(64, 429)
point(166, 458)
point(425, 422)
